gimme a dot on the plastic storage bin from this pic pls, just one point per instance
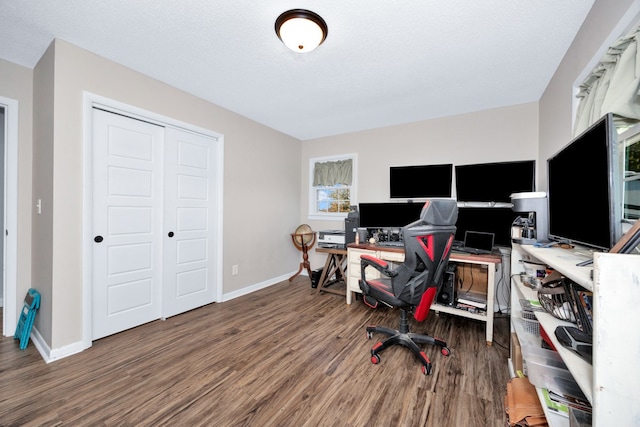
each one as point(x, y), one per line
point(545, 369)
point(528, 325)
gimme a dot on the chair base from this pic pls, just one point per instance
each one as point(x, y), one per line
point(403, 337)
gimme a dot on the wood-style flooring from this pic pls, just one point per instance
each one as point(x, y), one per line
point(282, 356)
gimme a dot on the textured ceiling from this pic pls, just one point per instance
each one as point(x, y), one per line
point(383, 63)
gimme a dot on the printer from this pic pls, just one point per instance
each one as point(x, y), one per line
point(331, 239)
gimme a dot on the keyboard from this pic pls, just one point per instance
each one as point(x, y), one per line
point(473, 251)
point(393, 244)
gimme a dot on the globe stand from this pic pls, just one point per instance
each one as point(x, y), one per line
point(303, 240)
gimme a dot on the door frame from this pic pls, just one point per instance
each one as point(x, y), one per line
point(10, 241)
point(90, 101)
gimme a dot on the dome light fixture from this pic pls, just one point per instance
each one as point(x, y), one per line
point(301, 30)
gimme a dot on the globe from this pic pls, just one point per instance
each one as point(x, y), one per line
point(303, 239)
point(302, 236)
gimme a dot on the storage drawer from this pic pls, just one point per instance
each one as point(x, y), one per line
point(545, 369)
point(392, 256)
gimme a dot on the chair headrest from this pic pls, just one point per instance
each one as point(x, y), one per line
point(440, 212)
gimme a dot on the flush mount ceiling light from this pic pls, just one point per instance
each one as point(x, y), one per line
point(301, 30)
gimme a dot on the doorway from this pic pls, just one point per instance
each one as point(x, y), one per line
point(153, 194)
point(9, 200)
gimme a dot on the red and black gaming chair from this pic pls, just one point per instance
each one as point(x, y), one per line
point(413, 285)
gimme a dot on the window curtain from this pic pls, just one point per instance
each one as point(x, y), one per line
point(333, 173)
point(613, 86)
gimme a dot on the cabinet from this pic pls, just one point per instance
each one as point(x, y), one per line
point(354, 251)
point(609, 383)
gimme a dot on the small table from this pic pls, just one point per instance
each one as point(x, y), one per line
point(336, 264)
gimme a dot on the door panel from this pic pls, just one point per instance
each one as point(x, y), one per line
point(189, 195)
point(127, 214)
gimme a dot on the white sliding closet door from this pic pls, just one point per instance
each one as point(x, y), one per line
point(127, 223)
point(153, 249)
point(189, 242)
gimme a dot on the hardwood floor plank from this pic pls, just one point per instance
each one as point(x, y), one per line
point(281, 356)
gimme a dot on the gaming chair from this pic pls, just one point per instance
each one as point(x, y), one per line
point(413, 285)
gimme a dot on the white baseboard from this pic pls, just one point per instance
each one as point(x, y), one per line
point(249, 289)
point(50, 355)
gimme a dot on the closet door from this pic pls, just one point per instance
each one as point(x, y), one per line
point(127, 223)
point(189, 250)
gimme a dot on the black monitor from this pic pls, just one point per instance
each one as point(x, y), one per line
point(494, 182)
point(419, 182)
point(584, 195)
point(489, 220)
point(388, 215)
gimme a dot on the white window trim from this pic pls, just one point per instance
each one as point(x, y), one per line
point(312, 215)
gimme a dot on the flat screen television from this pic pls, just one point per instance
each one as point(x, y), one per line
point(388, 215)
point(494, 182)
point(584, 183)
point(416, 182)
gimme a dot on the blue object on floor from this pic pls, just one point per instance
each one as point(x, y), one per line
point(27, 315)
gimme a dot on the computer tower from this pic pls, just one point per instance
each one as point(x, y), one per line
point(351, 224)
point(447, 294)
point(315, 277)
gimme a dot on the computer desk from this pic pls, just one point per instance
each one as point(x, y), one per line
point(396, 255)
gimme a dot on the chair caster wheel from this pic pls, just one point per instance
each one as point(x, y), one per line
point(426, 370)
point(445, 351)
point(375, 358)
point(369, 335)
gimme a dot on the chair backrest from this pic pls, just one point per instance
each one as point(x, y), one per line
point(427, 246)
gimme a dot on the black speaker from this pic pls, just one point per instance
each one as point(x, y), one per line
point(447, 294)
point(351, 224)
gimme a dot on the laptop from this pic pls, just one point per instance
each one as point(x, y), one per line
point(477, 242)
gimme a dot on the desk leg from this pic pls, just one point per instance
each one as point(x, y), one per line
point(332, 266)
point(491, 296)
point(325, 271)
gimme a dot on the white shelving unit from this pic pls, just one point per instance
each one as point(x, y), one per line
point(610, 383)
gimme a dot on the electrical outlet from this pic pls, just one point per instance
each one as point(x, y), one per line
point(234, 269)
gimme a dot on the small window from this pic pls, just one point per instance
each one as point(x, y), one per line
point(332, 189)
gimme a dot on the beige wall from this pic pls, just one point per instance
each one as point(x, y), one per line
point(556, 105)
point(16, 82)
point(43, 151)
point(261, 189)
point(529, 131)
point(502, 134)
point(266, 172)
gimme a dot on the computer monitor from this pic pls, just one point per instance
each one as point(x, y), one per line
point(490, 220)
point(585, 193)
point(388, 215)
point(420, 182)
point(494, 182)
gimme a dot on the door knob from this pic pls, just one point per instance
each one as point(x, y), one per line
point(98, 239)
point(170, 234)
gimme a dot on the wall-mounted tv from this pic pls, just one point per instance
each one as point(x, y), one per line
point(584, 194)
point(494, 182)
point(419, 182)
point(388, 215)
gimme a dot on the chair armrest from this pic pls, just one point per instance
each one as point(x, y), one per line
point(377, 263)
